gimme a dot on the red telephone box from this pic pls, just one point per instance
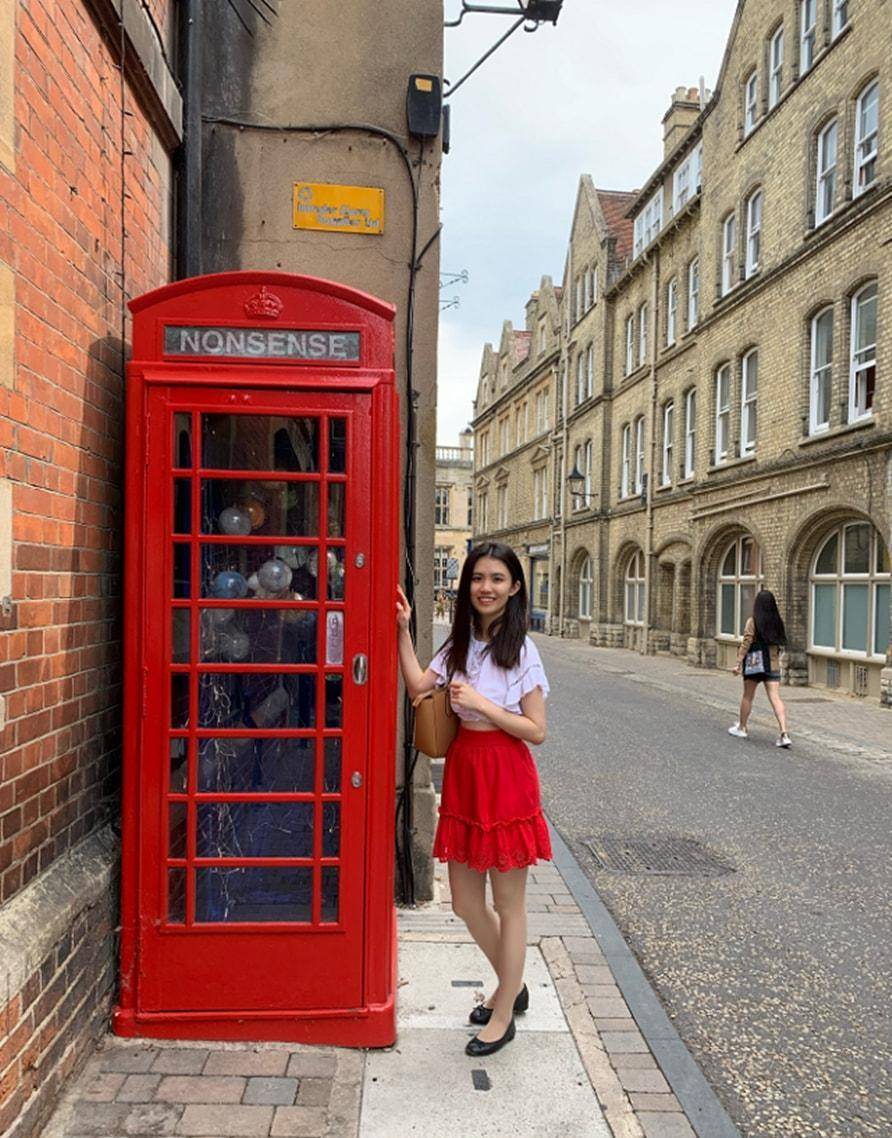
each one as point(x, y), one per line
point(260, 668)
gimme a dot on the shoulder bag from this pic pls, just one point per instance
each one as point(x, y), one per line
point(436, 724)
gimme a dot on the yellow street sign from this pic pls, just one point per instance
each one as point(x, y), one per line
point(344, 209)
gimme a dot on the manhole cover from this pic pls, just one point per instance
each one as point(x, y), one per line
point(657, 856)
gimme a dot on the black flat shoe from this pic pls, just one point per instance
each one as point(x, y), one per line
point(481, 1015)
point(477, 1048)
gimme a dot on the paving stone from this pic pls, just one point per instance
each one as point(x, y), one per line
point(128, 1059)
point(270, 1063)
point(606, 1009)
point(226, 1121)
point(602, 991)
point(314, 1092)
point(319, 1064)
point(102, 1087)
point(300, 1122)
point(200, 1088)
point(113, 1119)
point(534, 905)
point(593, 974)
point(563, 909)
point(654, 1102)
point(650, 1081)
point(665, 1125)
point(615, 1023)
point(266, 1091)
point(640, 1061)
point(139, 1088)
point(624, 1042)
point(180, 1061)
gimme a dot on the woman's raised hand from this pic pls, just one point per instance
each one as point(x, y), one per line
point(403, 610)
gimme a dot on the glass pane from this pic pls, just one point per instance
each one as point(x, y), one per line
point(331, 782)
point(827, 559)
point(176, 834)
point(258, 572)
point(330, 890)
point(747, 559)
point(182, 505)
point(854, 617)
point(180, 636)
point(729, 565)
point(258, 636)
point(336, 573)
point(747, 596)
point(179, 751)
point(882, 556)
point(334, 699)
point(726, 625)
point(630, 604)
point(262, 765)
point(176, 896)
point(337, 446)
point(334, 638)
point(881, 621)
point(336, 509)
point(238, 508)
point(824, 620)
point(182, 439)
point(640, 603)
point(331, 828)
point(254, 893)
point(255, 829)
point(233, 700)
point(179, 700)
point(857, 549)
point(259, 442)
point(182, 571)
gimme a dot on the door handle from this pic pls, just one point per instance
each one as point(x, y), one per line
point(360, 668)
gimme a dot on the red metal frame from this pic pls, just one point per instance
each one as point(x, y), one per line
point(325, 982)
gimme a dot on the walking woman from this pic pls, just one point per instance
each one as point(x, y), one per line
point(490, 811)
point(759, 658)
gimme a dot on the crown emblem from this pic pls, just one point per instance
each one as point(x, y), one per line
point(264, 304)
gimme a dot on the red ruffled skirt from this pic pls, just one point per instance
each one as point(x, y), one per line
point(490, 808)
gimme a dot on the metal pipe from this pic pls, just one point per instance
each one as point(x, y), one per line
point(189, 157)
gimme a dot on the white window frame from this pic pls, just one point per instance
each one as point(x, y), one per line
point(729, 252)
point(642, 334)
point(698, 168)
point(587, 290)
point(580, 377)
point(594, 284)
point(862, 360)
point(649, 222)
point(681, 184)
point(504, 435)
point(482, 511)
point(866, 140)
point(749, 394)
point(873, 579)
point(753, 232)
point(630, 343)
point(441, 505)
point(825, 171)
point(502, 506)
point(635, 584)
point(819, 373)
point(639, 454)
point(586, 589)
point(750, 101)
point(589, 371)
point(587, 469)
point(625, 485)
point(742, 583)
point(808, 34)
point(776, 67)
point(668, 443)
point(540, 493)
point(543, 336)
point(671, 311)
point(693, 314)
point(577, 299)
point(840, 17)
point(722, 414)
point(690, 432)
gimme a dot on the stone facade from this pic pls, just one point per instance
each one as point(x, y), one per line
point(453, 510)
point(740, 408)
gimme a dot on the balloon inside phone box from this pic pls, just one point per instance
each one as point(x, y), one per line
point(273, 577)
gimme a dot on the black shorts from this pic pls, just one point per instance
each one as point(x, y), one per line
point(762, 677)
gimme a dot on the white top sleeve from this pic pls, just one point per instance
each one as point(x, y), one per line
point(438, 665)
point(528, 675)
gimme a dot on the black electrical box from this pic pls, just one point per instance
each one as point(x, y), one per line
point(424, 105)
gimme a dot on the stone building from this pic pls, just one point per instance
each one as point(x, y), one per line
point(453, 509)
point(739, 411)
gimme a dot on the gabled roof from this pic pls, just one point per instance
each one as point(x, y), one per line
point(521, 345)
point(615, 204)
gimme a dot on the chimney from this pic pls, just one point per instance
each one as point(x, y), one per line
point(531, 306)
point(678, 120)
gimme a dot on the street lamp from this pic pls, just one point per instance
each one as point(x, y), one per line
point(576, 484)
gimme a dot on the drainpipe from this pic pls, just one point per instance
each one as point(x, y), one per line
point(654, 410)
point(189, 235)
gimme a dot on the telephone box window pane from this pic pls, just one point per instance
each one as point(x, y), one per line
point(255, 829)
point(258, 636)
point(182, 440)
point(180, 636)
point(176, 896)
point(330, 891)
point(179, 700)
point(259, 442)
point(287, 509)
point(824, 620)
point(337, 446)
point(254, 893)
point(334, 699)
point(336, 573)
point(182, 505)
point(331, 829)
point(179, 765)
point(332, 773)
point(250, 700)
point(854, 618)
point(182, 571)
point(258, 572)
point(336, 509)
point(176, 839)
point(244, 766)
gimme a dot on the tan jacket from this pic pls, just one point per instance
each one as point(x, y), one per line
point(749, 635)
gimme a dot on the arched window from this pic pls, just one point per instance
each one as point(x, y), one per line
point(635, 589)
point(849, 585)
point(586, 589)
point(740, 578)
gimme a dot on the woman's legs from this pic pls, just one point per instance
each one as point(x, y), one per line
point(509, 899)
point(468, 888)
point(746, 700)
point(772, 690)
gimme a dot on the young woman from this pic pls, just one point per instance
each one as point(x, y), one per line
point(765, 632)
point(490, 811)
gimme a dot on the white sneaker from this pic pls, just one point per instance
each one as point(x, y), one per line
point(740, 732)
point(784, 741)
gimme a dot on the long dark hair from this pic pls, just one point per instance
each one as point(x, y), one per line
point(768, 621)
point(508, 632)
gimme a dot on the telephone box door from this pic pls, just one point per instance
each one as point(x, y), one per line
point(255, 716)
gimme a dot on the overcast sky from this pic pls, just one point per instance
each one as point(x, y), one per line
point(586, 96)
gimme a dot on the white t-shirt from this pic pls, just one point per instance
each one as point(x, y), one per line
point(506, 687)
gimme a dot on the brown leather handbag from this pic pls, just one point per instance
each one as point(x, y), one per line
point(436, 724)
